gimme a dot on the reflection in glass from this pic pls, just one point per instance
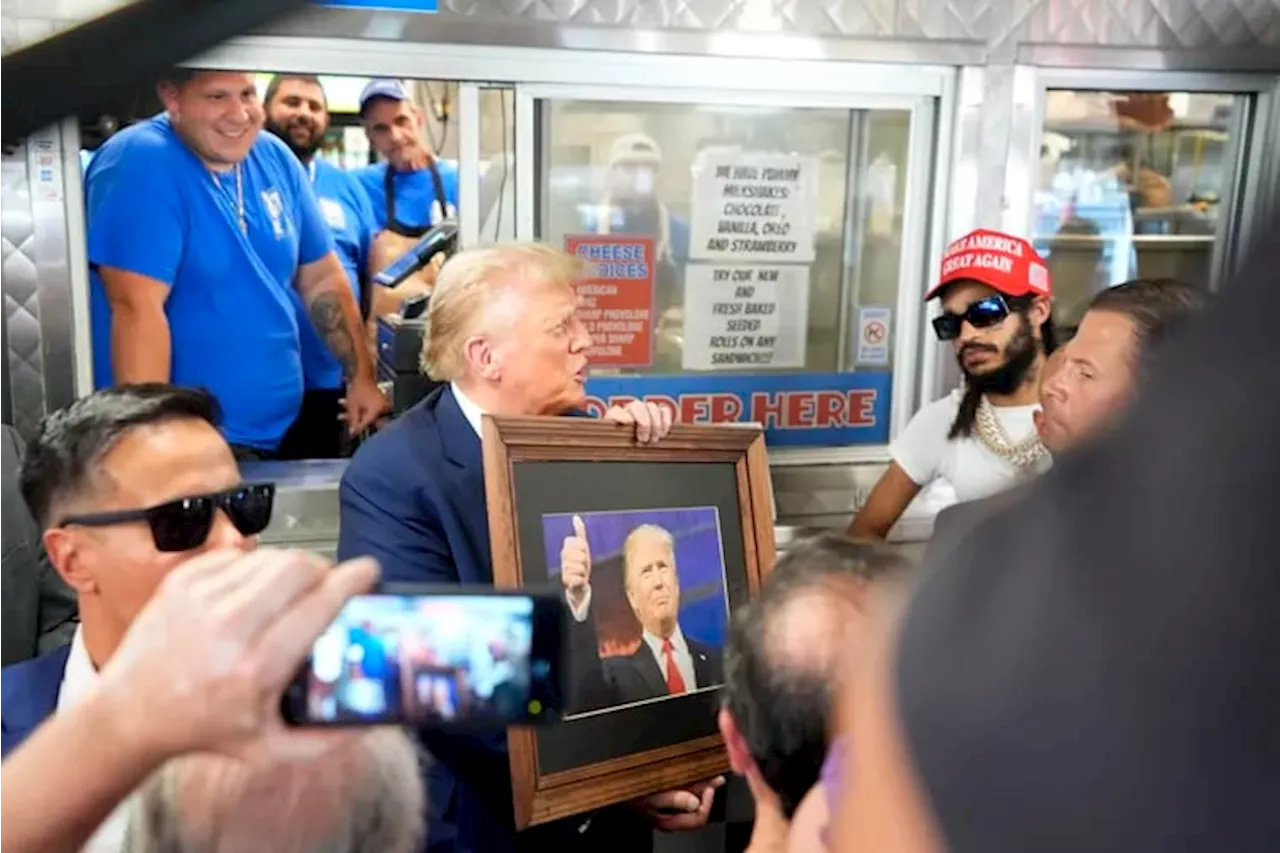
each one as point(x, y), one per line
point(640, 169)
point(1130, 185)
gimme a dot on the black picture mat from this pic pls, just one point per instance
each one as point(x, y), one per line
point(543, 487)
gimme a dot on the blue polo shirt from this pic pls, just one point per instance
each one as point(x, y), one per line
point(154, 209)
point(346, 209)
point(415, 194)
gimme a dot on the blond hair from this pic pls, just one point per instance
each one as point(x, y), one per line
point(470, 282)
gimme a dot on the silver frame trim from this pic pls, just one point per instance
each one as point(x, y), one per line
point(77, 260)
point(531, 66)
point(468, 165)
point(1249, 142)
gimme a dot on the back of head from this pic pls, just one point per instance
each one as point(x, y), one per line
point(786, 651)
point(60, 462)
point(365, 796)
point(468, 297)
point(1157, 307)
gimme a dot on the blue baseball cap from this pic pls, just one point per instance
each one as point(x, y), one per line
point(382, 87)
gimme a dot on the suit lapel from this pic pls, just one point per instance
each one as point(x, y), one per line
point(31, 694)
point(649, 670)
point(701, 666)
point(461, 446)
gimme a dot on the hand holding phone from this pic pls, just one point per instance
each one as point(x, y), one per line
point(431, 656)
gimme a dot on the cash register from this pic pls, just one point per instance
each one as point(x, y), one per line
point(400, 334)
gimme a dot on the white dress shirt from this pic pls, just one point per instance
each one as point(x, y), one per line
point(679, 651)
point(470, 410)
point(79, 679)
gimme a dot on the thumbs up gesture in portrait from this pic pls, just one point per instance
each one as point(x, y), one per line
point(575, 562)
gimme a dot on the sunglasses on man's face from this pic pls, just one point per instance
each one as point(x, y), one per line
point(185, 523)
point(986, 312)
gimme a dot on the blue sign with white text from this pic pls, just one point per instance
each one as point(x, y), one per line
point(797, 410)
point(388, 5)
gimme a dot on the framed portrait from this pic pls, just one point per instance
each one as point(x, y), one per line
point(651, 549)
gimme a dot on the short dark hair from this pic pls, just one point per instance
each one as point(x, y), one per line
point(178, 76)
point(273, 86)
point(781, 706)
point(1156, 307)
point(70, 442)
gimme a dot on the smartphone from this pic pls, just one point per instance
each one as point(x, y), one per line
point(432, 656)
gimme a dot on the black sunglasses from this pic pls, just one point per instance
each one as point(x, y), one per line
point(986, 312)
point(184, 524)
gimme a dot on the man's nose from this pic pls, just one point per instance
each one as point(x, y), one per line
point(581, 338)
point(1053, 387)
point(224, 534)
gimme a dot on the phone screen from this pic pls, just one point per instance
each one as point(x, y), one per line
point(434, 659)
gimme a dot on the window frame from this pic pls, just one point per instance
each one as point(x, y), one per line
point(925, 149)
point(731, 74)
point(1246, 191)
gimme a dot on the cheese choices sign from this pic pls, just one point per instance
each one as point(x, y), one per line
point(799, 410)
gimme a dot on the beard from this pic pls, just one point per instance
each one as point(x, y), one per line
point(1019, 355)
point(303, 151)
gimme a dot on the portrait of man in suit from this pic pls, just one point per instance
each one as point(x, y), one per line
point(646, 592)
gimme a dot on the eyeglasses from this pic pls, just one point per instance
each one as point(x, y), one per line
point(984, 313)
point(184, 524)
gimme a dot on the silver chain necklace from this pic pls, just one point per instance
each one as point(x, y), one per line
point(1023, 455)
point(244, 222)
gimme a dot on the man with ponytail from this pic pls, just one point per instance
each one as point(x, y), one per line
point(981, 437)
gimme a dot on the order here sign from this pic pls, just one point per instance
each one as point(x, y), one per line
point(797, 410)
point(616, 299)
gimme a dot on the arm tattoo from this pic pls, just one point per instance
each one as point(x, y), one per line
point(327, 316)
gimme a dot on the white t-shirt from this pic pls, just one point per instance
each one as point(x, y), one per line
point(925, 454)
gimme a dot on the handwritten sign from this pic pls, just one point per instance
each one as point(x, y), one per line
point(616, 300)
point(744, 316)
point(753, 207)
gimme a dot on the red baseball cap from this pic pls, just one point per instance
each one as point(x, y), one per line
point(1002, 262)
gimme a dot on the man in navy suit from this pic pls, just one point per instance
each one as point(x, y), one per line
point(126, 484)
point(503, 331)
point(666, 663)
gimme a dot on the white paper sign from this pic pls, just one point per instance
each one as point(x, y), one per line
point(874, 324)
point(740, 316)
point(753, 207)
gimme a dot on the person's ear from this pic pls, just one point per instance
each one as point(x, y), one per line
point(735, 744)
point(70, 558)
point(1040, 311)
point(481, 358)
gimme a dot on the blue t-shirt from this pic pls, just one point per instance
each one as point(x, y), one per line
point(346, 209)
point(154, 209)
point(416, 204)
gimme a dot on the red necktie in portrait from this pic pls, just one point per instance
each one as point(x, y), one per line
point(675, 681)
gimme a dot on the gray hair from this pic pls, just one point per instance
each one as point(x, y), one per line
point(365, 797)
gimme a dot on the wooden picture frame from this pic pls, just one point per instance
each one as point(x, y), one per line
point(731, 455)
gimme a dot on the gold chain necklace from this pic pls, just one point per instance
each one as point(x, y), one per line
point(1023, 455)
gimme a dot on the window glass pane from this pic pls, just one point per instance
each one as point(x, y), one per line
point(739, 254)
point(1130, 185)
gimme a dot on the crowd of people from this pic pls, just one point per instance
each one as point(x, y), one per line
point(1068, 670)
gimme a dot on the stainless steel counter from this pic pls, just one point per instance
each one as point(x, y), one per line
point(816, 496)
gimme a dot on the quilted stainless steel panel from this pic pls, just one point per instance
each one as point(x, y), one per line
point(1118, 23)
point(21, 293)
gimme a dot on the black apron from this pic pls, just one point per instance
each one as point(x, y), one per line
point(395, 226)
